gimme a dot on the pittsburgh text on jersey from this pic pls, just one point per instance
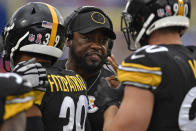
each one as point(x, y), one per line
point(66, 83)
point(192, 63)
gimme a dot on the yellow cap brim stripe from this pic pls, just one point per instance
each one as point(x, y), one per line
point(181, 7)
point(54, 25)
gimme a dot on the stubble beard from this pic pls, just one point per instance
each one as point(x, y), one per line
point(83, 65)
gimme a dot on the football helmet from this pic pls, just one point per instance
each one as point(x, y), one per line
point(35, 28)
point(141, 17)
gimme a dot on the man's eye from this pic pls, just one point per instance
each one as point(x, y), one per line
point(104, 41)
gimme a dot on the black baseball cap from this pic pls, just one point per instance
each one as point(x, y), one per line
point(90, 21)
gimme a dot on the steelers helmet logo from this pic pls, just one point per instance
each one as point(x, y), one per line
point(98, 18)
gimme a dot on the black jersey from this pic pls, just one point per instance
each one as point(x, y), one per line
point(169, 72)
point(95, 116)
point(64, 104)
point(2, 104)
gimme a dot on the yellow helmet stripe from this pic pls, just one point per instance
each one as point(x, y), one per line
point(54, 25)
point(181, 7)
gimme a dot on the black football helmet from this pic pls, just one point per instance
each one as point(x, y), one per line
point(35, 28)
point(141, 17)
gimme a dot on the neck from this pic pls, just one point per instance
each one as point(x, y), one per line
point(164, 37)
point(72, 65)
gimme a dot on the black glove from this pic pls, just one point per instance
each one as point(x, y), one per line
point(13, 84)
point(106, 95)
point(32, 72)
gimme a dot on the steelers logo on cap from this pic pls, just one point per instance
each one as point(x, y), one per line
point(98, 18)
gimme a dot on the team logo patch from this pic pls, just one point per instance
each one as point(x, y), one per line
point(98, 18)
point(46, 24)
point(160, 12)
point(168, 10)
point(31, 37)
point(92, 108)
point(39, 38)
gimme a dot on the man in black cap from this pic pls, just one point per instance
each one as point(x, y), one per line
point(89, 36)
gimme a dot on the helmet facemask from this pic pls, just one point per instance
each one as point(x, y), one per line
point(142, 17)
point(125, 28)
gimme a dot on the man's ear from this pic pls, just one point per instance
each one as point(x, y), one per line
point(68, 42)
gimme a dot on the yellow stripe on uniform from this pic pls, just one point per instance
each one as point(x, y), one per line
point(54, 25)
point(17, 104)
point(140, 66)
point(38, 96)
point(139, 77)
point(181, 7)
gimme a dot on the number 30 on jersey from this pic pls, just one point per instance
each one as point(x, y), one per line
point(75, 114)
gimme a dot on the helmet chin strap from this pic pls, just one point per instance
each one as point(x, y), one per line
point(142, 31)
point(15, 48)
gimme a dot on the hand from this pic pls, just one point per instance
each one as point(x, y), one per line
point(13, 84)
point(113, 81)
point(32, 72)
point(111, 59)
point(106, 95)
